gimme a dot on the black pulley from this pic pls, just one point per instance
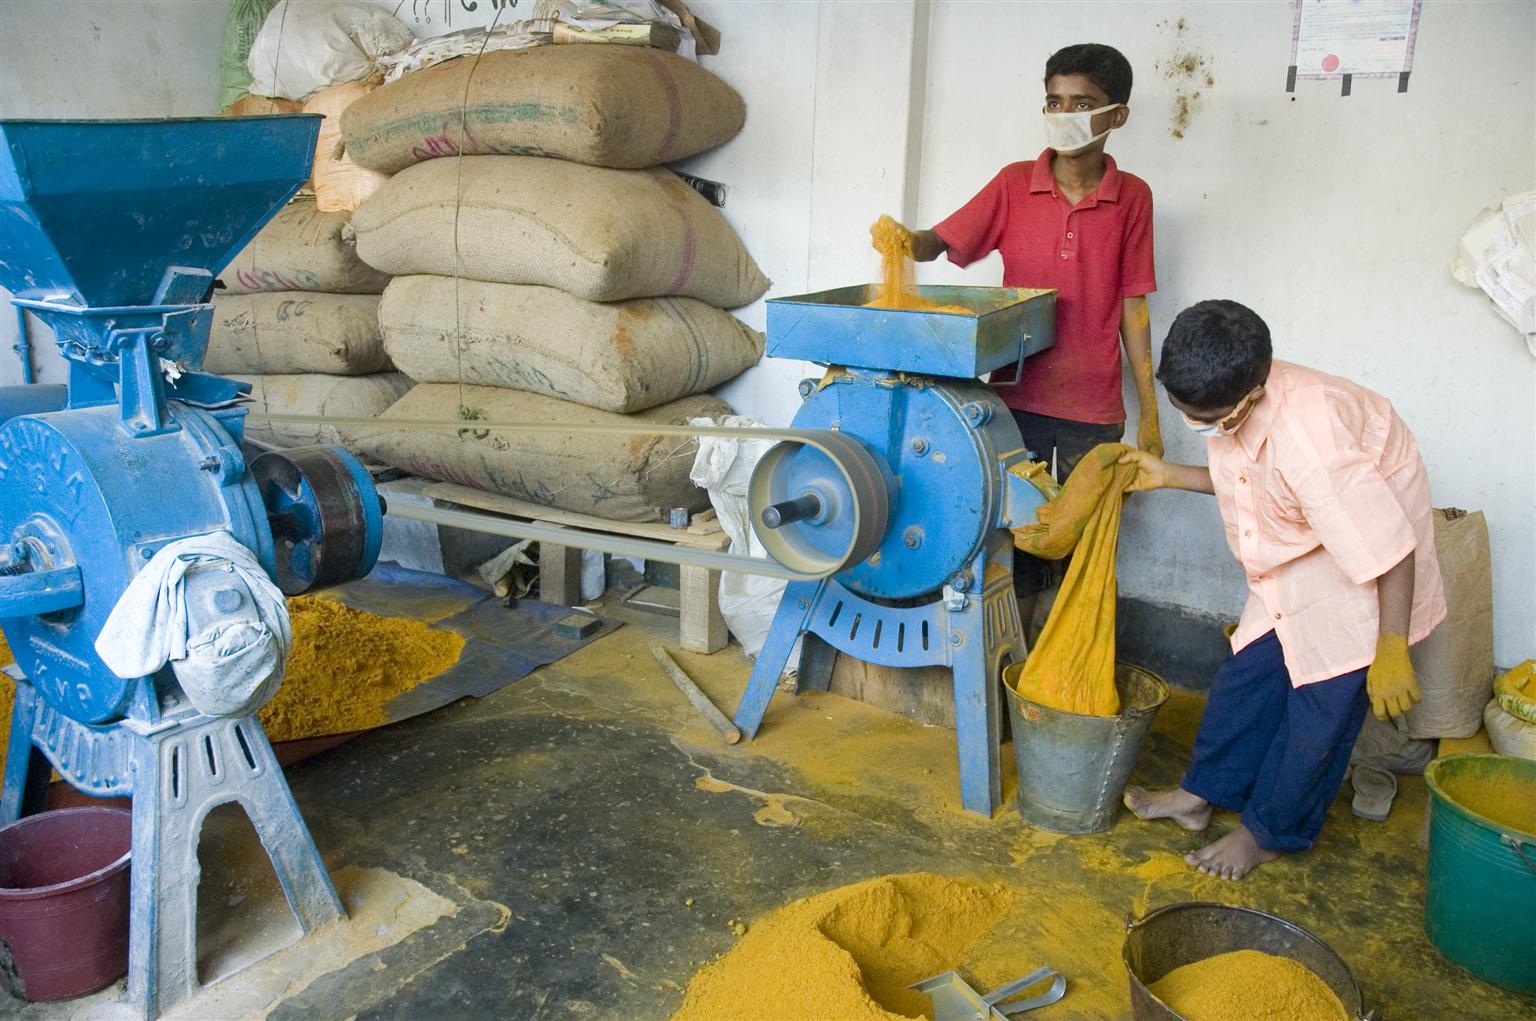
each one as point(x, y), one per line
point(325, 513)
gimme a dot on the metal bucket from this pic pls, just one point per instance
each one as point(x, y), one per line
point(1181, 934)
point(64, 902)
point(1480, 905)
point(1073, 768)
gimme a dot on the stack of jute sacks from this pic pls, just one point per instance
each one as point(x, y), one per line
point(299, 320)
point(547, 269)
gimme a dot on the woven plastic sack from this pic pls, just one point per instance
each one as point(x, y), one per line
point(622, 356)
point(609, 106)
point(1515, 690)
point(340, 185)
point(620, 477)
point(296, 332)
point(1509, 734)
point(241, 24)
point(303, 47)
point(334, 396)
point(303, 249)
point(602, 235)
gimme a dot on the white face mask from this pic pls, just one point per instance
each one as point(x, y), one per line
point(1207, 429)
point(1067, 133)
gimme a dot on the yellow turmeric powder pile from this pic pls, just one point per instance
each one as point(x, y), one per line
point(1251, 985)
point(7, 700)
point(1507, 799)
point(848, 954)
point(1072, 666)
point(895, 290)
point(346, 665)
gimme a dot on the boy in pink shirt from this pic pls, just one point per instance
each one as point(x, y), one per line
point(1325, 502)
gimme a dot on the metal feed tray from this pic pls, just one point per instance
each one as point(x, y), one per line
point(833, 328)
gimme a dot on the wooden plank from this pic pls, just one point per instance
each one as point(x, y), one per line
point(705, 523)
point(498, 504)
point(702, 626)
point(925, 694)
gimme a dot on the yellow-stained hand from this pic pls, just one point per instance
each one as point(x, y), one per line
point(1390, 680)
point(1149, 433)
point(1151, 473)
point(886, 229)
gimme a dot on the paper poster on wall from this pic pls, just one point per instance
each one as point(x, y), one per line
point(1348, 39)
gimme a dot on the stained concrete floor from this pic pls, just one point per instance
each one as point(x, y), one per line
point(607, 840)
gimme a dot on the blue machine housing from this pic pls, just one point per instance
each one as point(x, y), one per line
point(946, 476)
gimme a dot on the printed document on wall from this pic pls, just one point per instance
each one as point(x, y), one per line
point(1362, 38)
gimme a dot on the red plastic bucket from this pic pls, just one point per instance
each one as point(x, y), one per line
point(64, 902)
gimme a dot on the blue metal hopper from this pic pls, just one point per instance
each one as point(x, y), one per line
point(92, 213)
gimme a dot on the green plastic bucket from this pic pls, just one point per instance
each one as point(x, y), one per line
point(1480, 908)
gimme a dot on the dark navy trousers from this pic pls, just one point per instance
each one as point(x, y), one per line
point(1273, 752)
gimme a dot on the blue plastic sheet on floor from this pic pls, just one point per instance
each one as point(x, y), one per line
point(502, 644)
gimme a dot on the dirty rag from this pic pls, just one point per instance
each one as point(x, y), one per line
point(228, 661)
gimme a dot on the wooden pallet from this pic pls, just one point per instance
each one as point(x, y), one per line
point(701, 626)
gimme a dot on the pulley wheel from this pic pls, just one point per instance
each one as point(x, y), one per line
point(326, 517)
point(815, 513)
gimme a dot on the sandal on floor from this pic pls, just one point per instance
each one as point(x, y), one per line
point(1374, 790)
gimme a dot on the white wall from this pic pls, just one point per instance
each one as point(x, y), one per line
point(1334, 218)
point(101, 59)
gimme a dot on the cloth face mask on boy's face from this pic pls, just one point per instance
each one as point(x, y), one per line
point(1067, 133)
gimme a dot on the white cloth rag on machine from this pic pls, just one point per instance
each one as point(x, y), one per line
point(205, 605)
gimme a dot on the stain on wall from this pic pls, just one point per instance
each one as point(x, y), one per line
point(1189, 71)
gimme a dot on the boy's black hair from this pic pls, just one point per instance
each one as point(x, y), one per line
point(1103, 65)
point(1215, 353)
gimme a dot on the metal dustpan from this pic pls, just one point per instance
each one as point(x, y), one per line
point(955, 999)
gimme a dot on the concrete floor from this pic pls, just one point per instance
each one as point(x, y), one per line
point(601, 840)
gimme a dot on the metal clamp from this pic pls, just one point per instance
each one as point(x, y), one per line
point(1018, 366)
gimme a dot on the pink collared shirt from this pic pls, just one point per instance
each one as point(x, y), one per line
point(1322, 491)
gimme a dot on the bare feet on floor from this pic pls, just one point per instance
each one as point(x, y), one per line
point(1188, 810)
point(1231, 857)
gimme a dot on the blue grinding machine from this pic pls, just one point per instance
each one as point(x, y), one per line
point(112, 233)
point(912, 520)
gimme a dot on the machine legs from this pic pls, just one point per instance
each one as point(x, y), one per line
point(975, 633)
point(176, 776)
point(24, 790)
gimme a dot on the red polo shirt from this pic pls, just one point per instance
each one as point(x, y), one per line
point(1094, 255)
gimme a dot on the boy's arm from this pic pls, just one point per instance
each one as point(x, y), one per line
point(1155, 473)
point(1390, 680)
point(1136, 338)
point(927, 245)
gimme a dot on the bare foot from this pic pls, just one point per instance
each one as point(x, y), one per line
point(1231, 857)
point(1188, 810)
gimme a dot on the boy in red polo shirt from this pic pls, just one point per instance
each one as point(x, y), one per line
point(1071, 220)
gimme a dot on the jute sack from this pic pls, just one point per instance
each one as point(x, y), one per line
point(621, 357)
point(296, 331)
point(340, 184)
point(1454, 664)
point(609, 106)
point(603, 235)
point(303, 249)
point(619, 477)
point(335, 396)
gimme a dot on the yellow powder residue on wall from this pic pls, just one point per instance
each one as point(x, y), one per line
point(7, 699)
point(1072, 666)
point(347, 664)
point(849, 953)
point(1251, 985)
point(894, 243)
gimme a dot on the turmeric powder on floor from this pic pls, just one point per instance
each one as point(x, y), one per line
point(1248, 984)
point(1072, 665)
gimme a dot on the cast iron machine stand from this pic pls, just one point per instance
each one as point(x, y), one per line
point(915, 519)
point(111, 233)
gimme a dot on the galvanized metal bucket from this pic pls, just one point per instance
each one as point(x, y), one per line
point(1073, 768)
point(1181, 934)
